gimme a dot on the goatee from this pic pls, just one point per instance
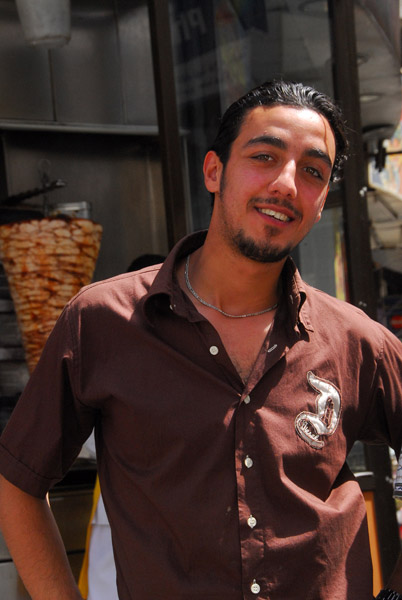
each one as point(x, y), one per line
point(264, 253)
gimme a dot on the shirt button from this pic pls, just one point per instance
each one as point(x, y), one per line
point(255, 588)
point(248, 462)
point(247, 400)
point(251, 522)
point(214, 350)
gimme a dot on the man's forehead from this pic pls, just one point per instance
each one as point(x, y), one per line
point(260, 119)
point(267, 114)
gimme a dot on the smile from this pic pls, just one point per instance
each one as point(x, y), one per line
point(274, 214)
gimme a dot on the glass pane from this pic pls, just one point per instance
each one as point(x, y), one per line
point(223, 48)
point(356, 458)
point(385, 210)
point(321, 255)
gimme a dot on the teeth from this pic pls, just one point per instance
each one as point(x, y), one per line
point(276, 215)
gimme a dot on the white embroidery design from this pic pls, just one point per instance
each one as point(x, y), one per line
point(312, 427)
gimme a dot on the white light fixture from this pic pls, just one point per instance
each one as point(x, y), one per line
point(45, 22)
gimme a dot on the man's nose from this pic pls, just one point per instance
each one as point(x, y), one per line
point(284, 182)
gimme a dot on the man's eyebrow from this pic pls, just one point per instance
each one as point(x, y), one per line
point(317, 153)
point(270, 140)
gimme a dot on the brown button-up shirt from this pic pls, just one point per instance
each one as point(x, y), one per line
point(214, 489)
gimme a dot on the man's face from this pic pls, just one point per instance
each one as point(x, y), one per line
point(275, 182)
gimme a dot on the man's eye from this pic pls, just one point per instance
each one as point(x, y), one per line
point(314, 172)
point(262, 157)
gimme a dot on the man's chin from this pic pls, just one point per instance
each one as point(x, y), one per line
point(261, 253)
point(270, 257)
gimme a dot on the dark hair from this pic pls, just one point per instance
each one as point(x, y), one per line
point(288, 94)
point(145, 260)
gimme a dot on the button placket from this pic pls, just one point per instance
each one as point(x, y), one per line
point(249, 494)
point(255, 536)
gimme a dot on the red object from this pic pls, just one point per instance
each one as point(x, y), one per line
point(396, 321)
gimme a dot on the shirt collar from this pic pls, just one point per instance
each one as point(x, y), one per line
point(166, 291)
point(294, 298)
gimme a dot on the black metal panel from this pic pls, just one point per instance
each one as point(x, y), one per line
point(25, 86)
point(168, 120)
point(136, 62)
point(86, 72)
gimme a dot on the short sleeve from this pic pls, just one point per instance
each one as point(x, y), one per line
point(385, 421)
point(49, 423)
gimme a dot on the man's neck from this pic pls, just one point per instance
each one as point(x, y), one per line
point(232, 282)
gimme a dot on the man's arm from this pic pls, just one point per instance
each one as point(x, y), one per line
point(35, 545)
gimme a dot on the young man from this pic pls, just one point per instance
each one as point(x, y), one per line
point(225, 393)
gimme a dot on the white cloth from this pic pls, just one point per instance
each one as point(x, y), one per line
point(101, 566)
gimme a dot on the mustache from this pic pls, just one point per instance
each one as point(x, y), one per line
point(277, 202)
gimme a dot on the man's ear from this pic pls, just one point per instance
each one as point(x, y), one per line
point(318, 217)
point(212, 172)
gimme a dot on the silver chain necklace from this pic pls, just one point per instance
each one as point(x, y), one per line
point(205, 303)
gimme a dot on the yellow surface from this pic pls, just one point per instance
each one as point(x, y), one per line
point(374, 547)
point(83, 579)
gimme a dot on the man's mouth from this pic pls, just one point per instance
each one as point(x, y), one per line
point(273, 213)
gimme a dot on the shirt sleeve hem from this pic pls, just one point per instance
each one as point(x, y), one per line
point(22, 476)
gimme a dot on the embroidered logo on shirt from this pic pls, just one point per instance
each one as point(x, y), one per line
point(313, 427)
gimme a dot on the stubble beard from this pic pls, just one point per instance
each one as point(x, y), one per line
point(263, 252)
